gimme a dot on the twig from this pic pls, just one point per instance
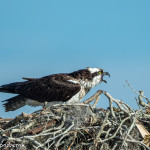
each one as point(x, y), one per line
point(102, 127)
point(118, 102)
point(99, 92)
point(96, 101)
point(135, 91)
point(6, 119)
point(40, 128)
point(132, 125)
point(50, 139)
point(58, 142)
point(116, 130)
point(137, 103)
point(141, 93)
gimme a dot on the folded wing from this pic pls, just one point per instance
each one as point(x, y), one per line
point(50, 88)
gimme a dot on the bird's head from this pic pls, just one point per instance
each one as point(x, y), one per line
point(98, 74)
point(90, 77)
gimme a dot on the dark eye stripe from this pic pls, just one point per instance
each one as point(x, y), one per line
point(94, 74)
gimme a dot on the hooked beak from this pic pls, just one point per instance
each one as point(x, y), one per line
point(105, 73)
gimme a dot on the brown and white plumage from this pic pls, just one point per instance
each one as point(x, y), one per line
point(57, 88)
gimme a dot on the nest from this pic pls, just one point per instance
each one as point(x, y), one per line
point(79, 127)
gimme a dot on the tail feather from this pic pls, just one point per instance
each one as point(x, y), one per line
point(9, 88)
point(14, 103)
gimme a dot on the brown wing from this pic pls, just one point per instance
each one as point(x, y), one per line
point(50, 88)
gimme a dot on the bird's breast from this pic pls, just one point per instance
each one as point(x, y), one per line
point(82, 93)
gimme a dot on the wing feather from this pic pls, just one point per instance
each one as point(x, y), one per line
point(50, 88)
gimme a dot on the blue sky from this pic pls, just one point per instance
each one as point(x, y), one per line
point(38, 38)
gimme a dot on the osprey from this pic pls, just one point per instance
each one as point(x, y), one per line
point(53, 89)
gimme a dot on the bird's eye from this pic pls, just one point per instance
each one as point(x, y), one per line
point(100, 72)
